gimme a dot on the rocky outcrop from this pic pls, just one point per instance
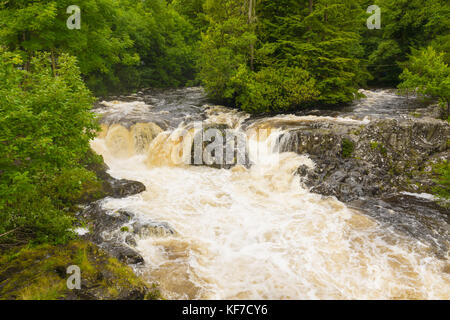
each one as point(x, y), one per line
point(117, 232)
point(104, 226)
point(112, 187)
point(369, 159)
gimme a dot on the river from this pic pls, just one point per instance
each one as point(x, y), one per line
point(255, 232)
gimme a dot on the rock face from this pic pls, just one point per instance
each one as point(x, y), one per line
point(116, 232)
point(116, 188)
point(105, 227)
point(372, 159)
point(105, 232)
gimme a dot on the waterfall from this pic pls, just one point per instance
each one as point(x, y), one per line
point(253, 232)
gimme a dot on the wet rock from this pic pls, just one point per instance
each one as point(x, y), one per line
point(419, 218)
point(123, 252)
point(152, 229)
point(387, 156)
point(40, 272)
point(116, 188)
point(106, 232)
point(115, 231)
point(434, 111)
point(123, 188)
point(100, 220)
point(130, 240)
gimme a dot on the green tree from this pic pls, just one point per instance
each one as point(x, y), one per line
point(194, 12)
point(101, 43)
point(224, 48)
point(46, 128)
point(427, 74)
point(121, 45)
point(405, 24)
point(265, 45)
point(167, 44)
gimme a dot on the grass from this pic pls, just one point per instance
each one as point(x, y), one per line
point(347, 148)
point(379, 146)
point(39, 273)
point(442, 180)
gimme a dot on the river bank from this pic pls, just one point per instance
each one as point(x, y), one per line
point(40, 272)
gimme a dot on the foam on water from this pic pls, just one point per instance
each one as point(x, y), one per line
point(257, 234)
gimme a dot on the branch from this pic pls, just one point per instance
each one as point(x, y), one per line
point(6, 233)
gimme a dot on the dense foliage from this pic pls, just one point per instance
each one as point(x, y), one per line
point(253, 49)
point(121, 44)
point(427, 74)
point(442, 188)
point(259, 55)
point(46, 128)
point(405, 25)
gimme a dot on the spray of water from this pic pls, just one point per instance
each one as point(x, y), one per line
point(256, 233)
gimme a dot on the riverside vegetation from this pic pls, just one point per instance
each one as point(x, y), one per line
point(260, 56)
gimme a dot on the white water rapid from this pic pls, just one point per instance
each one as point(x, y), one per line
point(256, 233)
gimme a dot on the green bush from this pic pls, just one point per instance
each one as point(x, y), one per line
point(347, 148)
point(442, 188)
point(46, 128)
point(273, 90)
point(427, 74)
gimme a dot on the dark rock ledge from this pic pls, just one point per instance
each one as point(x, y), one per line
point(370, 160)
point(117, 232)
point(374, 166)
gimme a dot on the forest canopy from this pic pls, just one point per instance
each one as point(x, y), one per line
point(259, 55)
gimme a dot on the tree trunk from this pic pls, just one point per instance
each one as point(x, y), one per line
point(251, 8)
point(311, 3)
point(53, 63)
point(27, 62)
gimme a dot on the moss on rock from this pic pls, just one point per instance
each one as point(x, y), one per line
point(39, 273)
point(347, 148)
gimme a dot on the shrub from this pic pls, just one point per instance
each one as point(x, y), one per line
point(46, 128)
point(442, 189)
point(347, 148)
point(273, 90)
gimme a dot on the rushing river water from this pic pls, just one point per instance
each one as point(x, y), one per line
point(253, 232)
